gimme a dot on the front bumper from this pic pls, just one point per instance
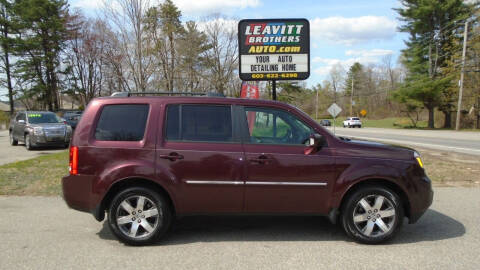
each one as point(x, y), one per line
point(42, 140)
point(423, 200)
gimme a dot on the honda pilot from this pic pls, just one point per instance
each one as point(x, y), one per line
point(144, 161)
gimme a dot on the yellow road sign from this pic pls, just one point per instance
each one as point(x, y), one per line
point(363, 112)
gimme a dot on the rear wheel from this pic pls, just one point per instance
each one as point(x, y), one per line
point(139, 216)
point(372, 215)
point(12, 140)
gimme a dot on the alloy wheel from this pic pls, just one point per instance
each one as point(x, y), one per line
point(27, 142)
point(374, 215)
point(138, 217)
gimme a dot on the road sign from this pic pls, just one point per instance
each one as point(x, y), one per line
point(334, 110)
point(363, 113)
point(274, 49)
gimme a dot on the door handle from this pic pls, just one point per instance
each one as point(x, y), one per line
point(262, 159)
point(171, 156)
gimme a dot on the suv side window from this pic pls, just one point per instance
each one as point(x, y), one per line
point(122, 123)
point(199, 123)
point(272, 126)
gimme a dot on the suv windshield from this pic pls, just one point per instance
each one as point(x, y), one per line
point(42, 118)
point(355, 118)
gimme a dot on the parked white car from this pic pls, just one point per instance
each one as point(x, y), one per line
point(352, 122)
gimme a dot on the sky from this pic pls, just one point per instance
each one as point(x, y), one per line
point(341, 32)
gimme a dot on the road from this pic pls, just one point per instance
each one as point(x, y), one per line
point(445, 140)
point(10, 153)
point(42, 233)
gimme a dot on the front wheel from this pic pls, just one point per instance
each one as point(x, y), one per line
point(372, 215)
point(13, 142)
point(28, 142)
point(139, 216)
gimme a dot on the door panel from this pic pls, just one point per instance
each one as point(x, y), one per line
point(280, 177)
point(204, 155)
point(209, 178)
point(289, 181)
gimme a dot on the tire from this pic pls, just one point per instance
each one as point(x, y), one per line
point(28, 142)
point(372, 227)
point(13, 142)
point(149, 229)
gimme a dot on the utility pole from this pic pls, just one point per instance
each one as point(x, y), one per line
point(477, 110)
point(316, 106)
point(460, 93)
point(274, 90)
point(351, 97)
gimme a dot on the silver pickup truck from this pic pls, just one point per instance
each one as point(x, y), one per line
point(38, 129)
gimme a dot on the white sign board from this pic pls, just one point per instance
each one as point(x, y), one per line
point(264, 63)
point(334, 110)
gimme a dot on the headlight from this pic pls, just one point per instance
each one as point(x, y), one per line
point(416, 155)
point(38, 131)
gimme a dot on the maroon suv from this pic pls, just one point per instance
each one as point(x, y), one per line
point(146, 160)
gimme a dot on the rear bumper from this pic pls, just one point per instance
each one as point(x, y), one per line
point(77, 193)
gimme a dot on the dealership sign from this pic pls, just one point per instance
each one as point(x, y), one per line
point(274, 49)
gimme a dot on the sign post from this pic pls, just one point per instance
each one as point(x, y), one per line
point(334, 110)
point(274, 50)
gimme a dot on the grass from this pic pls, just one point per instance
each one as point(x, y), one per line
point(393, 122)
point(451, 169)
point(37, 176)
point(42, 175)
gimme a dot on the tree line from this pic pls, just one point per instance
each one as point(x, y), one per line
point(49, 49)
point(425, 78)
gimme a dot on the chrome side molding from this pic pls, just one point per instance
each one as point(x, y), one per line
point(286, 183)
point(202, 182)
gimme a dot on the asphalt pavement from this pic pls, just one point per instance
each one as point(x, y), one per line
point(464, 142)
point(10, 153)
point(42, 233)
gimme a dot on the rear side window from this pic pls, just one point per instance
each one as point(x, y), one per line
point(202, 123)
point(122, 123)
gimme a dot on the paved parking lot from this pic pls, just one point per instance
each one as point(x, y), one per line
point(10, 153)
point(42, 233)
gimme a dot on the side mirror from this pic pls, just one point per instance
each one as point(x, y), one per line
point(21, 121)
point(315, 142)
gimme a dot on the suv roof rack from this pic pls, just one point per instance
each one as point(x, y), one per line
point(128, 94)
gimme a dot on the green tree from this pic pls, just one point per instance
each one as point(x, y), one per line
point(164, 26)
point(42, 35)
point(191, 47)
point(7, 28)
point(429, 24)
point(356, 80)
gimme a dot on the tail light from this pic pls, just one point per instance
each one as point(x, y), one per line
point(73, 164)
